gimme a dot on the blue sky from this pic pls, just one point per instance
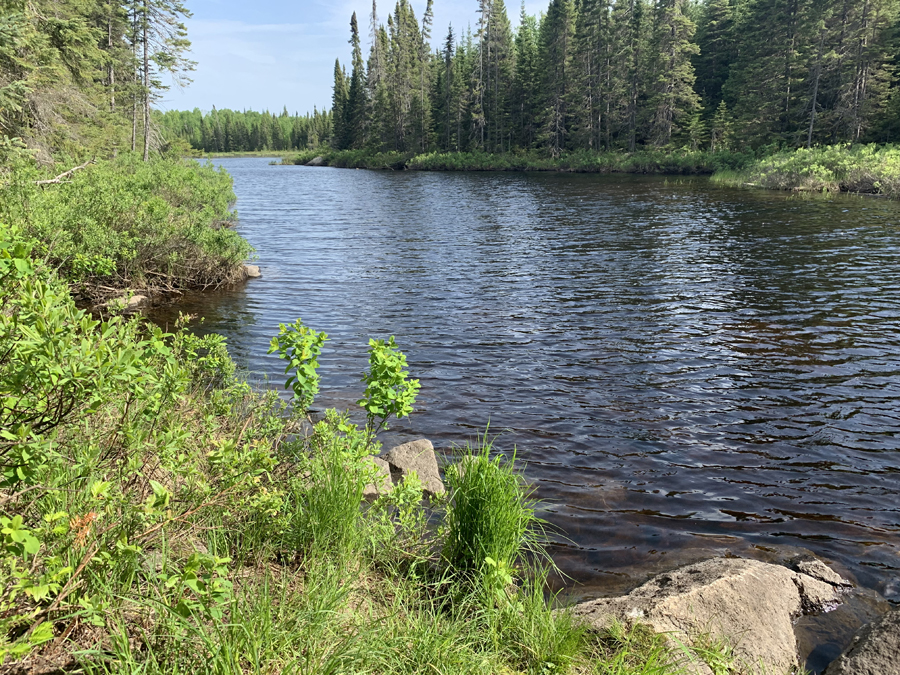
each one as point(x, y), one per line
point(267, 54)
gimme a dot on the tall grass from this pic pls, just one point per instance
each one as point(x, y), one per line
point(490, 515)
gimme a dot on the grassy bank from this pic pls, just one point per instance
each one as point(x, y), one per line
point(119, 224)
point(645, 161)
point(863, 169)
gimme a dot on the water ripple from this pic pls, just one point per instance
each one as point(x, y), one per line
point(686, 370)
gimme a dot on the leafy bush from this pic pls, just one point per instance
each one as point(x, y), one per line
point(125, 223)
point(389, 391)
point(866, 169)
point(300, 346)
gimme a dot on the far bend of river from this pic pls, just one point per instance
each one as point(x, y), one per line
point(686, 370)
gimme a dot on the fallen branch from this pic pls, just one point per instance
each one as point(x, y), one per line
point(65, 174)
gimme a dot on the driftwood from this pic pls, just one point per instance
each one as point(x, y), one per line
point(64, 174)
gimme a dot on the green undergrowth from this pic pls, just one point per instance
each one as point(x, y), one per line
point(159, 516)
point(162, 225)
point(864, 169)
point(680, 162)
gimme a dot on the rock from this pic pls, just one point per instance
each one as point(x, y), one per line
point(316, 161)
point(875, 649)
point(251, 271)
point(416, 456)
point(382, 483)
point(127, 303)
point(819, 570)
point(136, 302)
point(748, 603)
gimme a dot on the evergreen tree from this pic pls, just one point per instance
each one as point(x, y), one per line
point(354, 112)
point(339, 106)
point(673, 100)
point(526, 83)
point(556, 37)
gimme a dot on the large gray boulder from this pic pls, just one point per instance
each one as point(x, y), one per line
point(416, 456)
point(875, 649)
point(746, 603)
point(316, 161)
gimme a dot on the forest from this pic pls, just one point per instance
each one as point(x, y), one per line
point(246, 131)
point(610, 75)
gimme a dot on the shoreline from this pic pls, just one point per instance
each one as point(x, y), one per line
point(863, 170)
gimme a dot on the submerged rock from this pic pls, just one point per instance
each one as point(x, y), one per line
point(416, 456)
point(875, 649)
point(746, 603)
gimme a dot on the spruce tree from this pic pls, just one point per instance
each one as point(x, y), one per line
point(673, 102)
point(339, 106)
point(353, 117)
point(556, 38)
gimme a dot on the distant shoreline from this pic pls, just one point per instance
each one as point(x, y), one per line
point(868, 170)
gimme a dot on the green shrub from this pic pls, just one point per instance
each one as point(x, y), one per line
point(866, 169)
point(125, 223)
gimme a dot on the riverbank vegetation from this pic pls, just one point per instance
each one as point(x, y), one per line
point(859, 169)
point(644, 161)
point(124, 224)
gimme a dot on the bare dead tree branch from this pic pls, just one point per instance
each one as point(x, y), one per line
point(65, 174)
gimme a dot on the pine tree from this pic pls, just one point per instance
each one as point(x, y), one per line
point(716, 40)
point(592, 72)
point(673, 101)
point(526, 83)
point(766, 78)
point(339, 106)
point(353, 115)
point(556, 33)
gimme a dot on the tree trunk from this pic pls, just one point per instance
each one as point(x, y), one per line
point(146, 46)
point(815, 95)
point(112, 70)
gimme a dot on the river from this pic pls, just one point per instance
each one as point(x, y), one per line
point(685, 370)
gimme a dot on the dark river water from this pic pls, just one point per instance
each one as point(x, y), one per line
point(686, 370)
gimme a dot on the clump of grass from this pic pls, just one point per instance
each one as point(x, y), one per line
point(326, 492)
point(633, 650)
point(490, 520)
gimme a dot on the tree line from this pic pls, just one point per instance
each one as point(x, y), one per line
point(247, 131)
point(86, 73)
point(619, 74)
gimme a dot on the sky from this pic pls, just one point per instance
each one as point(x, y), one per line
point(271, 54)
